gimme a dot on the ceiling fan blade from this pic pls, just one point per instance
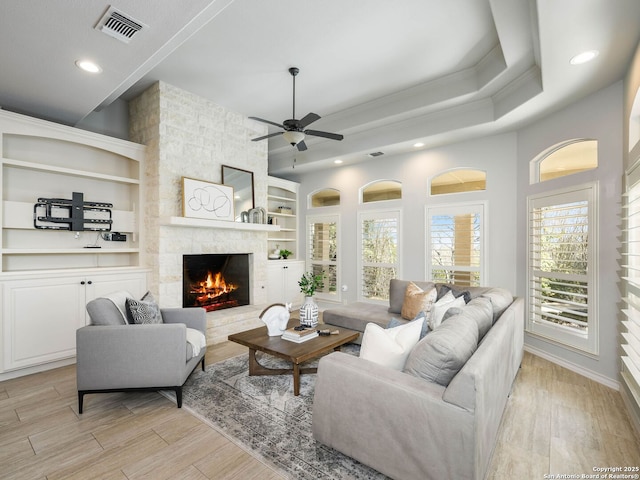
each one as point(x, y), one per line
point(308, 119)
point(317, 133)
point(267, 121)
point(266, 136)
point(301, 146)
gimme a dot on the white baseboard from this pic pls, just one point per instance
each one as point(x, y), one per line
point(21, 372)
point(590, 374)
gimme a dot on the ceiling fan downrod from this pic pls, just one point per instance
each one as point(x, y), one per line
point(294, 71)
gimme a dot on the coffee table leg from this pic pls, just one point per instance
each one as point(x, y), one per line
point(296, 379)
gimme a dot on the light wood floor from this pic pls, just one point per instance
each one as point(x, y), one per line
point(556, 422)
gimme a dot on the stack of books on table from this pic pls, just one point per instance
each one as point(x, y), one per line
point(299, 336)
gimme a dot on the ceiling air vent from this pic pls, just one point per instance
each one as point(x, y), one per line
point(375, 154)
point(118, 25)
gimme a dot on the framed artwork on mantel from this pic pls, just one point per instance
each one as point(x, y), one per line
point(211, 201)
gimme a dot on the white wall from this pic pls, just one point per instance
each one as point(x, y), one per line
point(506, 159)
point(597, 117)
point(496, 155)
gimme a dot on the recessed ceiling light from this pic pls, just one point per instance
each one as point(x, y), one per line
point(418, 144)
point(337, 161)
point(88, 66)
point(584, 57)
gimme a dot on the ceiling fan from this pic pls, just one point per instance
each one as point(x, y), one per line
point(294, 130)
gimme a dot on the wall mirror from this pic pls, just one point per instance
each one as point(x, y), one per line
point(242, 183)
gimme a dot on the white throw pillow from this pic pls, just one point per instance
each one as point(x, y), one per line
point(390, 346)
point(441, 307)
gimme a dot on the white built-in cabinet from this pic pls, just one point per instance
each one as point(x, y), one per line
point(48, 275)
point(282, 208)
point(42, 312)
point(282, 277)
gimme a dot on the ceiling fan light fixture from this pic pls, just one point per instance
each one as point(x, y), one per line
point(293, 138)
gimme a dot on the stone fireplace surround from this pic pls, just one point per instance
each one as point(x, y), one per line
point(190, 136)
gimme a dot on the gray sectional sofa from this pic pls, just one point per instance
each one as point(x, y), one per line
point(410, 427)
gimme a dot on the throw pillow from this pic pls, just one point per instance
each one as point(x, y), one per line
point(444, 288)
point(390, 347)
point(143, 312)
point(417, 300)
point(440, 308)
point(439, 356)
point(394, 322)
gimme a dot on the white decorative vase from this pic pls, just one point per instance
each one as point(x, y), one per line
point(309, 312)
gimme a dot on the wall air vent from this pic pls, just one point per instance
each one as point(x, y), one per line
point(118, 25)
point(375, 154)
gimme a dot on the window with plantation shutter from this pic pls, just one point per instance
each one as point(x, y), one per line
point(455, 244)
point(562, 275)
point(323, 253)
point(631, 281)
point(378, 252)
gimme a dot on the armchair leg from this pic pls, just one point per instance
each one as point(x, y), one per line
point(179, 396)
point(203, 363)
point(80, 399)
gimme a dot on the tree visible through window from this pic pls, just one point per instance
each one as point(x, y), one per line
point(454, 244)
point(561, 277)
point(378, 251)
point(322, 234)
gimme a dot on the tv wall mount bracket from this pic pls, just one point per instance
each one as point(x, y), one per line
point(75, 214)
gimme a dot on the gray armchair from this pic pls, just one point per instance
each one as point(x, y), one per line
point(113, 356)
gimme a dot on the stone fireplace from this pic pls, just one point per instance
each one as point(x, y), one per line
point(189, 136)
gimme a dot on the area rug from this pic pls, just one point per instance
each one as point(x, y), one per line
point(262, 415)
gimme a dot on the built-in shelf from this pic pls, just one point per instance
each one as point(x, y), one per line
point(204, 223)
point(48, 251)
point(282, 199)
point(67, 171)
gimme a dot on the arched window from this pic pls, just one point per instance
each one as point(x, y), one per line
point(459, 180)
point(381, 190)
point(566, 158)
point(328, 197)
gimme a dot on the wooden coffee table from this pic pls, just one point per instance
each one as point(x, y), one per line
point(296, 353)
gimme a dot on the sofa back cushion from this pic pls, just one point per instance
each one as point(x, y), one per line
point(500, 299)
point(440, 355)
point(480, 311)
point(396, 292)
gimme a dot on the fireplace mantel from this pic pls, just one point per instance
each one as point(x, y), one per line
point(203, 223)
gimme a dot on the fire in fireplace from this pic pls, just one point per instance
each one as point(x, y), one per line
point(215, 281)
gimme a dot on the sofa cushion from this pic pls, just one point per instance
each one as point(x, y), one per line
point(440, 308)
point(395, 322)
point(390, 347)
point(439, 356)
point(357, 315)
point(500, 300)
point(396, 292)
point(480, 311)
point(416, 301)
point(143, 312)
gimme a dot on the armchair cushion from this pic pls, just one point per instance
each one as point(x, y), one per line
point(143, 312)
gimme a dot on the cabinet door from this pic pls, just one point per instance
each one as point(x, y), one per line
point(293, 272)
point(40, 319)
point(275, 282)
point(99, 285)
